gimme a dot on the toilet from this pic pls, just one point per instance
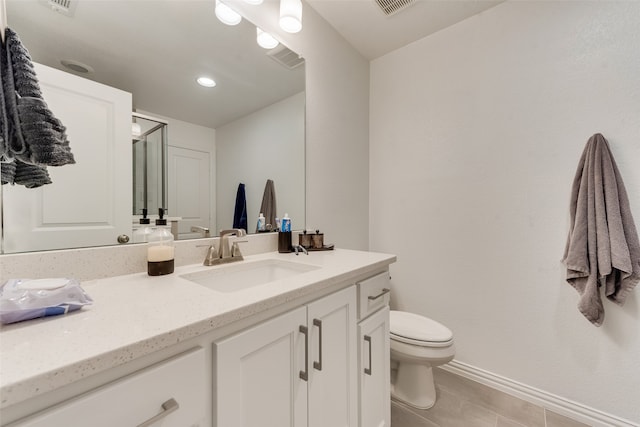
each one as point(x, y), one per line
point(417, 344)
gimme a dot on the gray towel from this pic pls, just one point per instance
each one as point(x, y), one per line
point(8, 172)
point(268, 206)
point(4, 120)
point(603, 247)
point(31, 176)
point(32, 136)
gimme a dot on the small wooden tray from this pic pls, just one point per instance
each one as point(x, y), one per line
point(324, 248)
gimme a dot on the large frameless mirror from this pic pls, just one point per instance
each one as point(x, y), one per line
point(247, 130)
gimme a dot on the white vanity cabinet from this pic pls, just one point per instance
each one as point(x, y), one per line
point(297, 369)
point(169, 394)
point(374, 362)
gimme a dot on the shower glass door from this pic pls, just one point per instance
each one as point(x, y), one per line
point(149, 136)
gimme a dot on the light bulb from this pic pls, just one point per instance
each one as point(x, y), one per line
point(206, 81)
point(266, 40)
point(226, 15)
point(291, 15)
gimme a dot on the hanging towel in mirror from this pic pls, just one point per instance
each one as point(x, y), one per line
point(35, 136)
point(602, 249)
point(268, 206)
point(31, 176)
point(4, 119)
point(240, 212)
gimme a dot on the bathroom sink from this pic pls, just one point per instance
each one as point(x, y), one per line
point(244, 275)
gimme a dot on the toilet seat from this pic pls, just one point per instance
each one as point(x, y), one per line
point(411, 328)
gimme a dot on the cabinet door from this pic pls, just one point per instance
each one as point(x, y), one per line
point(333, 360)
point(174, 392)
point(258, 375)
point(89, 203)
point(375, 401)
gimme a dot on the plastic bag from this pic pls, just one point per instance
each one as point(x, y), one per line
point(23, 299)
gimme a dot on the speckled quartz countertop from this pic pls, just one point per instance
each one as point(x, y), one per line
point(135, 315)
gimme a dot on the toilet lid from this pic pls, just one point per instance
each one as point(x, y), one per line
point(413, 328)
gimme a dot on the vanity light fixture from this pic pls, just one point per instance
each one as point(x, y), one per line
point(253, 2)
point(226, 15)
point(266, 40)
point(206, 81)
point(291, 15)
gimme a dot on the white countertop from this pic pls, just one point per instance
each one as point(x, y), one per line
point(136, 315)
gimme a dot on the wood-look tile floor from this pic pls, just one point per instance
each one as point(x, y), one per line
point(465, 403)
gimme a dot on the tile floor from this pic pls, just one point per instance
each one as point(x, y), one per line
point(465, 403)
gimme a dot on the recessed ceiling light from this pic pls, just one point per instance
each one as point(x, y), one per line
point(76, 66)
point(206, 82)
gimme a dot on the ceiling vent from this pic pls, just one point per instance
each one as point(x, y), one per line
point(285, 57)
point(63, 7)
point(391, 7)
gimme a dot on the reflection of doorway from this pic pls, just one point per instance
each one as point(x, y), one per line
point(88, 203)
point(149, 167)
point(189, 190)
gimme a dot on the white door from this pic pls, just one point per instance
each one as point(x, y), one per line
point(258, 375)
point(189, 192)
point(375, 400)
point(90, 202)
point(333, 360)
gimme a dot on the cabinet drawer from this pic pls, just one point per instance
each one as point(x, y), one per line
point(137, 398)
point(373, 294)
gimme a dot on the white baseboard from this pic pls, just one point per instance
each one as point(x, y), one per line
point(557, 404)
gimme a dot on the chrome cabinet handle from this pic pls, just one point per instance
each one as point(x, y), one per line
point(318, 365)
point(305, 374)
point(167, 407)
point(368, 339)
point(384, 292)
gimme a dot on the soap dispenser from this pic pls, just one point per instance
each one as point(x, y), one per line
point(160, 250)
point(141, 233)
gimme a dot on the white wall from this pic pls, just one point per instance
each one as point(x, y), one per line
point(337, 101)
point(187, 135)
point(193, 137)
point(278, 128)
point(476, 132)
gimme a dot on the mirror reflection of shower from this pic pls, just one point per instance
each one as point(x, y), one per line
point(149, 137)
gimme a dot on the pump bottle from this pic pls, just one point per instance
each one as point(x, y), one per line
point(160, 250)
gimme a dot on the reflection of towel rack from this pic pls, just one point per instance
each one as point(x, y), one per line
point(3, 18)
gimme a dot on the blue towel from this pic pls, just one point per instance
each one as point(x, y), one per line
point(240, 213)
